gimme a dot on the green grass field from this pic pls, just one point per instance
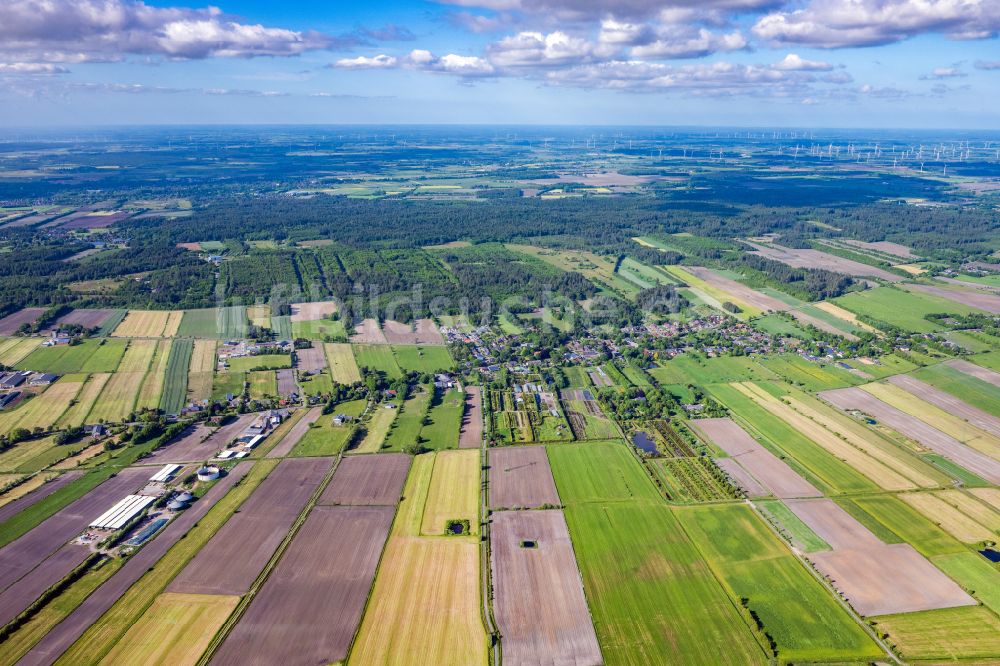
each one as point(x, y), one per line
point(636, 376)
point(599, 471)
point(379, 358)
point(263, 384)
point(810, 375)
point(974, 574)
point(325, 439)
point(406, 428)
point(174, 394)
point(316, 384)
point(577, 376)
point(649, 591)
point(970, 389)
point(377, 429)
point(319, 329)
point(282, 327)
point(801, 615)
point(91, 355)
point(445, 420)
point(777, 325)
point(262, 362)
point(900, 308)
point(801, 535)
point(691, 369)
point(910, 525)
point(809, 459)
point(227, 323)
point(423, 358)
point(969, 632)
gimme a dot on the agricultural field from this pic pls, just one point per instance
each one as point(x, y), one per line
point(260, 362)
point(228, 323)
point(45, 409)
point(900, 308)
point(323, 437)
point(422, 359)
point(377, 429)
point(173, 395)
point(378, 358)
point(444, 420)
point(149, 324)
point(12, 350)
point(201, 371)
point(343, 367)
point(405, 430)
point(453, 493)
point(691, 369)
point(91, 355)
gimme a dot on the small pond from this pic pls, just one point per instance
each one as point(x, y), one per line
point(644, 442)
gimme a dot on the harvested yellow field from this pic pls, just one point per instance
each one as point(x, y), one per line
point(453, 493)
point(259, 315)
point(152, 385)
point(343, 367)
point(377, 429)
point(44, 410)
point(989, 495)
point(82, 456)
point(81, 405)
point(35, 482)
point(173, 323)
point(972, 507)
point(936, 417)
point(202, 370)
point(845, 315)
point(881, 474)
point(860, 437)
point(121, 392)
point(174, 630)
point(13, 350)
point(411, 507)
point(950, 519)
point(22, 452)
point(912, 269)
point(425, 605)
point(137, 356)
point(149, 324)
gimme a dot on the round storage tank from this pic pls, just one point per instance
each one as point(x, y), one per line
point(184, 497)
point(208, 473)
point(177, 506)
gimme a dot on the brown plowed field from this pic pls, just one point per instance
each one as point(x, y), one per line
point(977, 371)
point(286, 382)
point(7, 511)
point(974, 299)
point(236, 555)
point(16, 598)
point(891, 579)
point(917, 430)
point(369, 332)
point(427, 333)
point(741, 477)
point(398, 333)
point(25, 553)
point(808, 258)
point(310, 360)
point(876, 578)
point(12, 322)
point(738, 290)
point(538, 597)
point(368, 480)
point(884, 246)
point(471, 434)
point(85, 318)
point(949, 403)
point(521, 477)
point(192, 448)
point(309, 609)
point(312, 311)
point(760, 463)
point(64, 634)
point(297, 432)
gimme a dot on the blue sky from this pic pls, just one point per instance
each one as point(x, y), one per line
point(810, 63)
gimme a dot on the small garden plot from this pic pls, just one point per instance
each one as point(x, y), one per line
point(323, 437)
point(587, 420)
point(577, 376)
point(378, 358)
point(423, 358)
point(691, 479)
point(343, 367)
